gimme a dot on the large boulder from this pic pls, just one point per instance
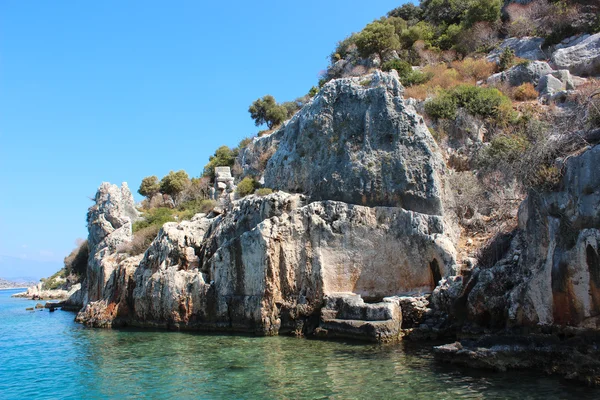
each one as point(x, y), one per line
point(582, 58)
point(359, 142)
point(529, 72)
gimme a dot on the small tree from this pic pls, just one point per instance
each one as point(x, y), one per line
point(149, 186)
point(377, 38)
point(267, 111)
point(223, 157)
point(174, 183)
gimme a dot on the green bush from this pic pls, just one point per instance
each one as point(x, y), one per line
point(503, 149)
point(482, 11)
point(149, 186)
point(507, 58)
point(190, 208)
point(377, 38)
point(313, 91)
point(483, 102)
point(155, 217)
point(442, 107)
point(402, 67)
point(407, 75)
point(223, 157)
point(76, 261)
point(263, 191)
point(247, 186)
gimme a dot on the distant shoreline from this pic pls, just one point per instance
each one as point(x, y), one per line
point(13, 288)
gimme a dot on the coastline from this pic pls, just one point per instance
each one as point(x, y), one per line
point(13, 288)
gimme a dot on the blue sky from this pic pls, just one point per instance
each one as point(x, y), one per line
point(118, 90)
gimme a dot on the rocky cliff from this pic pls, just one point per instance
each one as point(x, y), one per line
point(268, 264)
point(359, 142)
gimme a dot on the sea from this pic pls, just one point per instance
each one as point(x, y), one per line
point(47, 355)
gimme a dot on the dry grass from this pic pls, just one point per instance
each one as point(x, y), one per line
point(442, 78)
point(474, 69)
point(524, 92)
point(141, 241)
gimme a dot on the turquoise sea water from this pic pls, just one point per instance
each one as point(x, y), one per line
point(46, 355)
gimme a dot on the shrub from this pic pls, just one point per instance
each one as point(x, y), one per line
point(421, 31)
point(76, 261)
point(402, 67)
point(188, 209)
point(442, 107)
point(483, 102)
point(474, 69)
point(506, 59)
point(524, 92)
point(223, 157)
point(247, 186)
point(155, 217)
point(503, 149)
point(376, 38)
point(142, 239)
point(313, 91)
point(482, 11)
point(408, 12)
point(263, 191)
point(149, 186)
point(343, 48)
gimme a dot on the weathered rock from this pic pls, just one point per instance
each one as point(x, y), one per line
point(530, 72)
point(529, 48)
point(253, 158)
point(266, 265)
point(582, 58)
point(109, 226)
point(359, 142)
point(550, 274)
point(347, 315)
point(576, 358)
point(549, 85)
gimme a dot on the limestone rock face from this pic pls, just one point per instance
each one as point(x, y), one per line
point(109, 226)
point(523, 73)
point(581, 58)
point(359, 142)
point(551, 273)
point(527, 47)
point(266, 265)
point(253, 158)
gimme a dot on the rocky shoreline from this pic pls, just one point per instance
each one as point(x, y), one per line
point(369, 251)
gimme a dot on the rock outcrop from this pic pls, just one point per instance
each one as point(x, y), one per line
point(581, 57)
point(267, 265)
point(550, 275)
point(109, 225)
point(331, 262)
point(527, 47)
point(530, 72)
point(359, 142)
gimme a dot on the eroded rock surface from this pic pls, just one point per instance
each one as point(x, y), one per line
point(580, 58)
point(267, 264)
point(359, 142)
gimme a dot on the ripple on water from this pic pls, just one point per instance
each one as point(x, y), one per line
point(48, 356)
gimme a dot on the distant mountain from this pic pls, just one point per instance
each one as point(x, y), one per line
point(4, 284)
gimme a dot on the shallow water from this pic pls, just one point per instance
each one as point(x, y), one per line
point(46, 355)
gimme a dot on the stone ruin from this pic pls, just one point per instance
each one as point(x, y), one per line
point(224, 185)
